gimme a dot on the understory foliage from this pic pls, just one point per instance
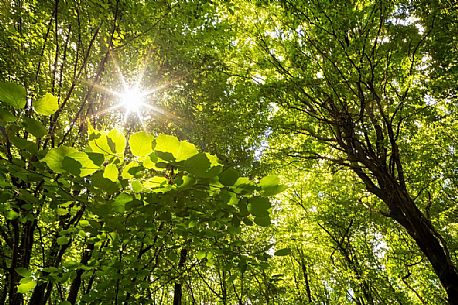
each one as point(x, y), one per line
point(322, 169)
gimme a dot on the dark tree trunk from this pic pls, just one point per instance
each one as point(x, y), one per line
point(76, 283)
point(178, 291)
point(306, 276)
point(405, 212)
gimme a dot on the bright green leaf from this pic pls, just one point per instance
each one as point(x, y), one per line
point(170, 148)
point(47, 105)
point(116, 141)
point(57, 160)
point(141, 144)
point(26, 284)
point(111, 172)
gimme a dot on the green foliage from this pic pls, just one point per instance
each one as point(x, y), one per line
point(140, 144)
point(47, 105)
point(348, 103)
point(13, 95)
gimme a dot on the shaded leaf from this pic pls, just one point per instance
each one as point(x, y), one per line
point(62, 240)
point(228, 177)
point(34, 127)
point(13, 94)
point(282, 252)
point(263, 221)
point(259, 206)
point(24, 272)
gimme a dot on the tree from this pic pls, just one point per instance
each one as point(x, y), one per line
point(352, 78)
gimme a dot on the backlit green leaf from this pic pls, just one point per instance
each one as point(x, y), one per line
point(47, 105)
point(111, 172)
point(174, 150)
point(117, 141)
point(26, 284)
point(56, 160)
point(140, 144)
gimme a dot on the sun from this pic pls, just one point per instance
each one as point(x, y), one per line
point(133, 100)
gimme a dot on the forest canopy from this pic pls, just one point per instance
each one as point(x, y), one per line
point(228, 152)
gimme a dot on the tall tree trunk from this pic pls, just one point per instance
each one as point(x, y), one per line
point(76, 283)
point(178, 291)
point(404, 211)
point(306, 275)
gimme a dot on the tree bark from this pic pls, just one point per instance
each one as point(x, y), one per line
point(406, 213)
point(178, 291)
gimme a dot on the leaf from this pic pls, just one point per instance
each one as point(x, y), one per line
point(56, 161)
point(259, 206)
point(35, 127)
point(282, 252)
point(72, 166)
point(170, 148)
point(26, 284)
point(6, 116)
point(130, 170)
point(24, 272)
point(201, 255)
point(156, 182)
point(136, 186)
point(13, 94)
point(201, 166)
point(120, 202)
point(140, 144)
point(228, 177)
point(111, 172)
point(62, 240)
point(105, 184)
point(47, 105)
point(96, 158)
point(107, 143)
point(263, 221)
point(271, 185)
point(117, 141)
